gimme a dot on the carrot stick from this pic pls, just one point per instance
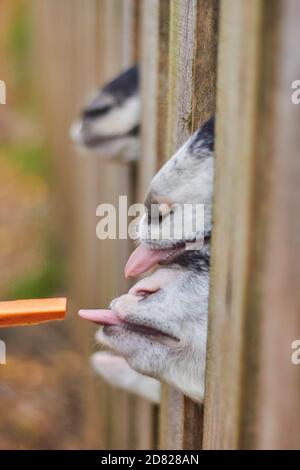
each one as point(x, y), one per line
point(30, 312)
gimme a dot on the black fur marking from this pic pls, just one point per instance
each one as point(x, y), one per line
point(95, 110)
point(196, 260)
point(119, 89)
point(125, 85)
point(203, 139)
point(134, 132)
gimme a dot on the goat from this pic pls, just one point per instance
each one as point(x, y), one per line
point(116, 371)
point(187, 178)
point(109, 122)
point(160, 325)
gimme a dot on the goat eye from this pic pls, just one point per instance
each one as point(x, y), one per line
point(144, 294)
point(96, 112)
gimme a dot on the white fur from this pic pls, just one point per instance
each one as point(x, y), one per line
point(119, 120)
point(116, 371)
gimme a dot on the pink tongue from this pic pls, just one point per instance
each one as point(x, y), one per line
point(102, 317)
point(143, 258)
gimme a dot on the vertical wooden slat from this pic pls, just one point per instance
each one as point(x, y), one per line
point(204, 61)
point(145, 431)
point(278, 405)
point(252, 393)
point(154, 84)
point(191, 77)
point(112, 181)
point(85, 274)
point(154, 70)
point(179, 64)
point(239, 27)
point(131, 31)
point(132, 418)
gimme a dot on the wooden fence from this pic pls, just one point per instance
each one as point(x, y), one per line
point(252, 387)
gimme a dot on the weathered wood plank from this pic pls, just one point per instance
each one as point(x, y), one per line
point(131, 11)
point(154, 83)
point(154, 71)
point(191, 100)
point(279, 405)
point(145, 431)
point(120, 29)
point(252, 397)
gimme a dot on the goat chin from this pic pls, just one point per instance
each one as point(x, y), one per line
point(122, 149)
point(115, 370)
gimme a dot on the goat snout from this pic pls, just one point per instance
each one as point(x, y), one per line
point(160, 279)
point(124, 304)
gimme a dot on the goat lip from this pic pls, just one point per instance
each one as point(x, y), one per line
point(109, 319)
point(101, 317)
point(94, 141)
point(144, 258)
point(143, 330)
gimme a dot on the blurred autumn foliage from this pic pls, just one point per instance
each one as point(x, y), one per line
point(42, 411)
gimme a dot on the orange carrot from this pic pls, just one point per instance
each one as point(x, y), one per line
point(30, 312)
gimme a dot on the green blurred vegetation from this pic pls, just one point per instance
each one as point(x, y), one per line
point(30, 156)
point(40, 386)
point(18, 44)
point(45, 282)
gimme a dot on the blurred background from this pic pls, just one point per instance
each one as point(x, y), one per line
point(40, 403)
point(52, 54)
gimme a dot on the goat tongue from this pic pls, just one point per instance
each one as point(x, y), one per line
point(144, 258)
point(101, 316)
